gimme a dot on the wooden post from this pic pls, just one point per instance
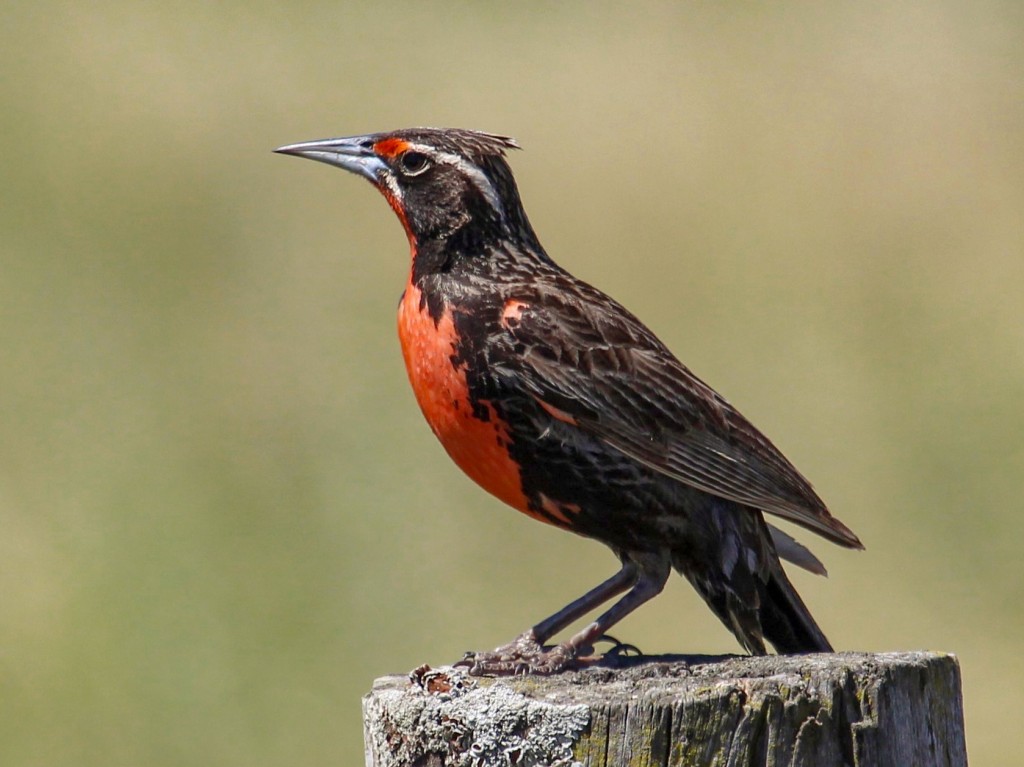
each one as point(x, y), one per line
point(850, 709)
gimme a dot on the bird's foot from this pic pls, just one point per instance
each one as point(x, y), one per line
point(522, 656)
point(619, 650)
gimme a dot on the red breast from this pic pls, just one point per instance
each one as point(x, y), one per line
point(477, 445)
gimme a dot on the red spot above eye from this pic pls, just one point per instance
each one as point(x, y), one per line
point(390, 147)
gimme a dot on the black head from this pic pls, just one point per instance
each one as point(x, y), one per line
point(446, 185)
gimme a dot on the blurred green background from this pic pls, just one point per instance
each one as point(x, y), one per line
point(221, 515)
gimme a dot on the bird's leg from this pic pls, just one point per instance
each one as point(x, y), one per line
point(526, 653)
point(517, 654)
point(598, 595)
point(649, 585)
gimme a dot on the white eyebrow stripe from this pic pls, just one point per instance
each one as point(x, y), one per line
point(477, 176)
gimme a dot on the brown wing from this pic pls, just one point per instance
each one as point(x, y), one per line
point(591, 362)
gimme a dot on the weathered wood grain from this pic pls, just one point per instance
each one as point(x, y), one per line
point(861, 710)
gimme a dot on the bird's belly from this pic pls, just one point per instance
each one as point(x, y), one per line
point(471, 431)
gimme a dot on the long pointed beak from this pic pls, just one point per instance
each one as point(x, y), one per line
point(354, 154)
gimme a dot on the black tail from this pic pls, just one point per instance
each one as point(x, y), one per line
point(737, 571)
point(785, 620)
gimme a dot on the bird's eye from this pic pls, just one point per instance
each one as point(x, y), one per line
point(414, 163)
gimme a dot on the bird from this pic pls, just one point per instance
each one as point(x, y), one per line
point(560, 402)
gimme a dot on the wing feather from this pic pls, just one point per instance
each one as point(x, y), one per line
point(589, 359)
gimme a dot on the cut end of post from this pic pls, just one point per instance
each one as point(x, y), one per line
point(828, 709)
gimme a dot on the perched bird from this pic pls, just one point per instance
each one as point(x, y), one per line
point(560, 402)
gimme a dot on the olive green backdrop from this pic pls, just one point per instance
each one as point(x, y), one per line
point(221, 515)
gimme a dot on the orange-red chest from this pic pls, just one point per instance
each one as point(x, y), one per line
point(477, 445)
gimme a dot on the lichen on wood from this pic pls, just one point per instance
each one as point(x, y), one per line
point(854, 709)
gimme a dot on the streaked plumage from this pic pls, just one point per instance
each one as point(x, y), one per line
point(560, 402)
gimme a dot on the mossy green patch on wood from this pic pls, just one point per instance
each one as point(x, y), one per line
point(845, 709)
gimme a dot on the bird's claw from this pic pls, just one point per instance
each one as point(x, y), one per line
point(620, 649)
point(523, 656)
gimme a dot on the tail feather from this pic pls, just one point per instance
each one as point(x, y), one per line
point(785, 620)
point(793, 551)
point(738, 573)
